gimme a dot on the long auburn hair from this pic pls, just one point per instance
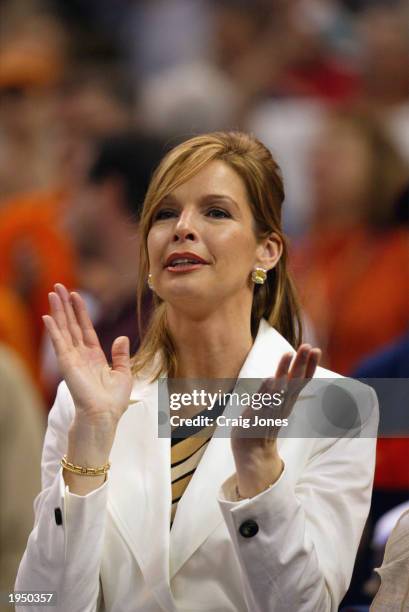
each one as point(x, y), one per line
point(276, 299)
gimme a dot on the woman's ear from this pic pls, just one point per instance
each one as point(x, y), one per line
point(269, 251)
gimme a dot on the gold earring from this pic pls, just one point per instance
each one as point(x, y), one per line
point(150, 283)
point(258, 276)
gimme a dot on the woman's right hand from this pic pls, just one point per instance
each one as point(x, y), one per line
point(100, 393)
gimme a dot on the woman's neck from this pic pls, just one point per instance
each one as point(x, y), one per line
point(214, 347)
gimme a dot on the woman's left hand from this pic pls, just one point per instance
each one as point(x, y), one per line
point(258, 464)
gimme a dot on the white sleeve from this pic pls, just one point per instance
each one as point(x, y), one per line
point(299, 543)
point(64, 549)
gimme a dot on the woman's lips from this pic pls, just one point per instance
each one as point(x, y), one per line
point(185, 267)
point(185, 261)
point(184, 257)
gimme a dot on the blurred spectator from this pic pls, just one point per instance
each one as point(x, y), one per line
point(382, 532)
point(393, 594)
point(353, 273)
point(248, 45)
point(104, 213)
point(188, 99)
point(385, 53)
point(35, 252)
point(212, 90)
point(91, 102)
point(289, 127)
point(383, 36)
point(164, 34)
point(103, 223)
point(21, 436)
point(391, 482)
point(32, 59)
point(353, 267)
point(321, 57)
point(83, 107)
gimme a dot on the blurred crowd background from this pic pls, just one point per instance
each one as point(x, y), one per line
point(94, 92)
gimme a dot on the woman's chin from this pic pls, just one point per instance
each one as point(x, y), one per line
point(188, 298)
point(185, 286)
point(192, 296)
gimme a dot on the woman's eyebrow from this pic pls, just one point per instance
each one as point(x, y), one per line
point(206, 199)
point(218, 197)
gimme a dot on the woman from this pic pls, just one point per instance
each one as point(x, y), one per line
point(357, 174)
point(264, 524)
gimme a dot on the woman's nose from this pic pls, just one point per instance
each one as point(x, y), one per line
point(185, 228)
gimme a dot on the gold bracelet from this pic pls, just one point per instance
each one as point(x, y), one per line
point(84, 471)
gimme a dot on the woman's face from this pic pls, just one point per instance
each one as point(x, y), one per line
point(202, 246)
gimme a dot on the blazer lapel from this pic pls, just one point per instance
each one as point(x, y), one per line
point(198, 513)
point(140, 490)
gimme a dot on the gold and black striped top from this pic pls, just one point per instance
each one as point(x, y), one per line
point(185, 456)
point(188, 446)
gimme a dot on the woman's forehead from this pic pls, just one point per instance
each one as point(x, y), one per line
point(216, 178)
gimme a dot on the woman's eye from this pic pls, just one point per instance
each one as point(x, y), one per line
point(218, 213)
point(165, 213)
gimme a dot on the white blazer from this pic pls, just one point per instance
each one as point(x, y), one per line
point(114, 550)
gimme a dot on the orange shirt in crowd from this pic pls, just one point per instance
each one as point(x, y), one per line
point(354, 286)
point(35, 253)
